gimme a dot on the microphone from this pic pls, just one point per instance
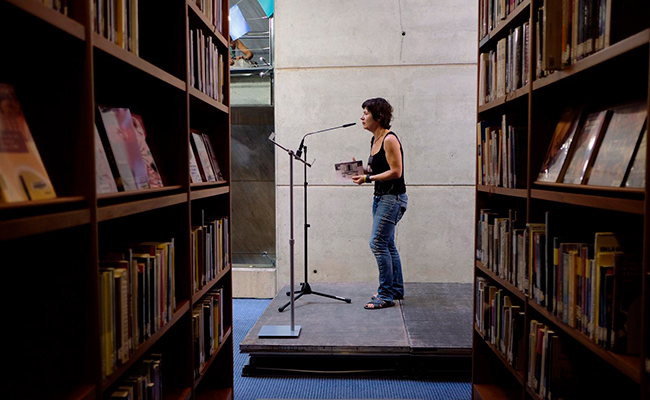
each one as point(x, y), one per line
point(302, 142)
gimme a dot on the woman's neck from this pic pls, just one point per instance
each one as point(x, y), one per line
point(380, 132)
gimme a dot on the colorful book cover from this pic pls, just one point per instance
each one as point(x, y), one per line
point(115, 147)
point(584, 146)
point(22, 172)
point(128, 135)
point(617, 147)
point(153, 174)
point(560, 145)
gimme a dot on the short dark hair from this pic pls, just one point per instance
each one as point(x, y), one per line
point(380, 109)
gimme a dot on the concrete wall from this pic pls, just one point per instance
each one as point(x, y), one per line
point(418, 54)
point(250, 91)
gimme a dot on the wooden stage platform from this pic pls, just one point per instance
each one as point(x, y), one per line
point(430, 330)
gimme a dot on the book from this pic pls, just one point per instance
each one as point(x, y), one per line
point(213, 158)
point(552, 50)
point(116, 146)
point(202, 157)
point(636, 174)
point(23, 175)
point(153, 174)
point(584, 147)
point(130, 138)
point(606, 245)
point(121, 394)
point(617, 147)
point(346, 170)
point(104, 176)
point(195, 173)
point(560, 144)
point(626, 306)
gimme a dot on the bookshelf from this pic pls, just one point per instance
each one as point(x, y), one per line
point(616, 74)
point(61, 70)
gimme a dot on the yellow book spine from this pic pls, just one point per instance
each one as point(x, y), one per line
point(121, 23)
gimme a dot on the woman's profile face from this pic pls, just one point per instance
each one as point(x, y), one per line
point(368, 121)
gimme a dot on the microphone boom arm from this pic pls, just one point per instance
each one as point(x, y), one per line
point(302, 142)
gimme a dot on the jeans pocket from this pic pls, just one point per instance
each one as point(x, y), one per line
point(402, 201)
point(400, 214)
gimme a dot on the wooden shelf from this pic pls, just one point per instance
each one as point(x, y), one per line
point(602, 202)
point(501, 282)
point(603, 79)
point(505, 24)
point(218, 394)
point(51, 16)
point(629, 365)
point(200, 185)
point(177, 394)
point(532, 393)
point(208, 24)
point(23, 205)
point(85, 392)
point(519, 375)
point(127, 57)
point(199, 193)
point(113, 211)
point(517, 94)
point(611, 52)
point(494, 392)
point(226, 336)
point(502, 191)
point(34, 225)
point(588, 188)
point(181, 310)
point(79, 71)
point(198, 295)
point(137, 193)
point(197, 94)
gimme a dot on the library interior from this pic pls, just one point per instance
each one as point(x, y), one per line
point(341, 199)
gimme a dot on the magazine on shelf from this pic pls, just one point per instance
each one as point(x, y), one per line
point(584, 146)
point(560, 145)
point(617, 148)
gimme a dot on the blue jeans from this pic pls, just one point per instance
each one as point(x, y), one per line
point(387, 210)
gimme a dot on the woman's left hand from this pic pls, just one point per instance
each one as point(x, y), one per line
point(359, 179)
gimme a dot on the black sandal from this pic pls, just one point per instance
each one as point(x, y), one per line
point(377, 303)
point(374, 296)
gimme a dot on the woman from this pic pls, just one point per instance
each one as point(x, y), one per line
point(238, 45)
point(386, 169)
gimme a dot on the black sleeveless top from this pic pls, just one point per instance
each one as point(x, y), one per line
point(379, 164)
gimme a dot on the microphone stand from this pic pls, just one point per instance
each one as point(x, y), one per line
point(305, 288)
point(284, 331)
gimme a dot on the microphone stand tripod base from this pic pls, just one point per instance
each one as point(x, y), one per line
point(279, 331)
point(306, 289)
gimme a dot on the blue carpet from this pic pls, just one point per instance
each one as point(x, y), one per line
point(247, 311)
